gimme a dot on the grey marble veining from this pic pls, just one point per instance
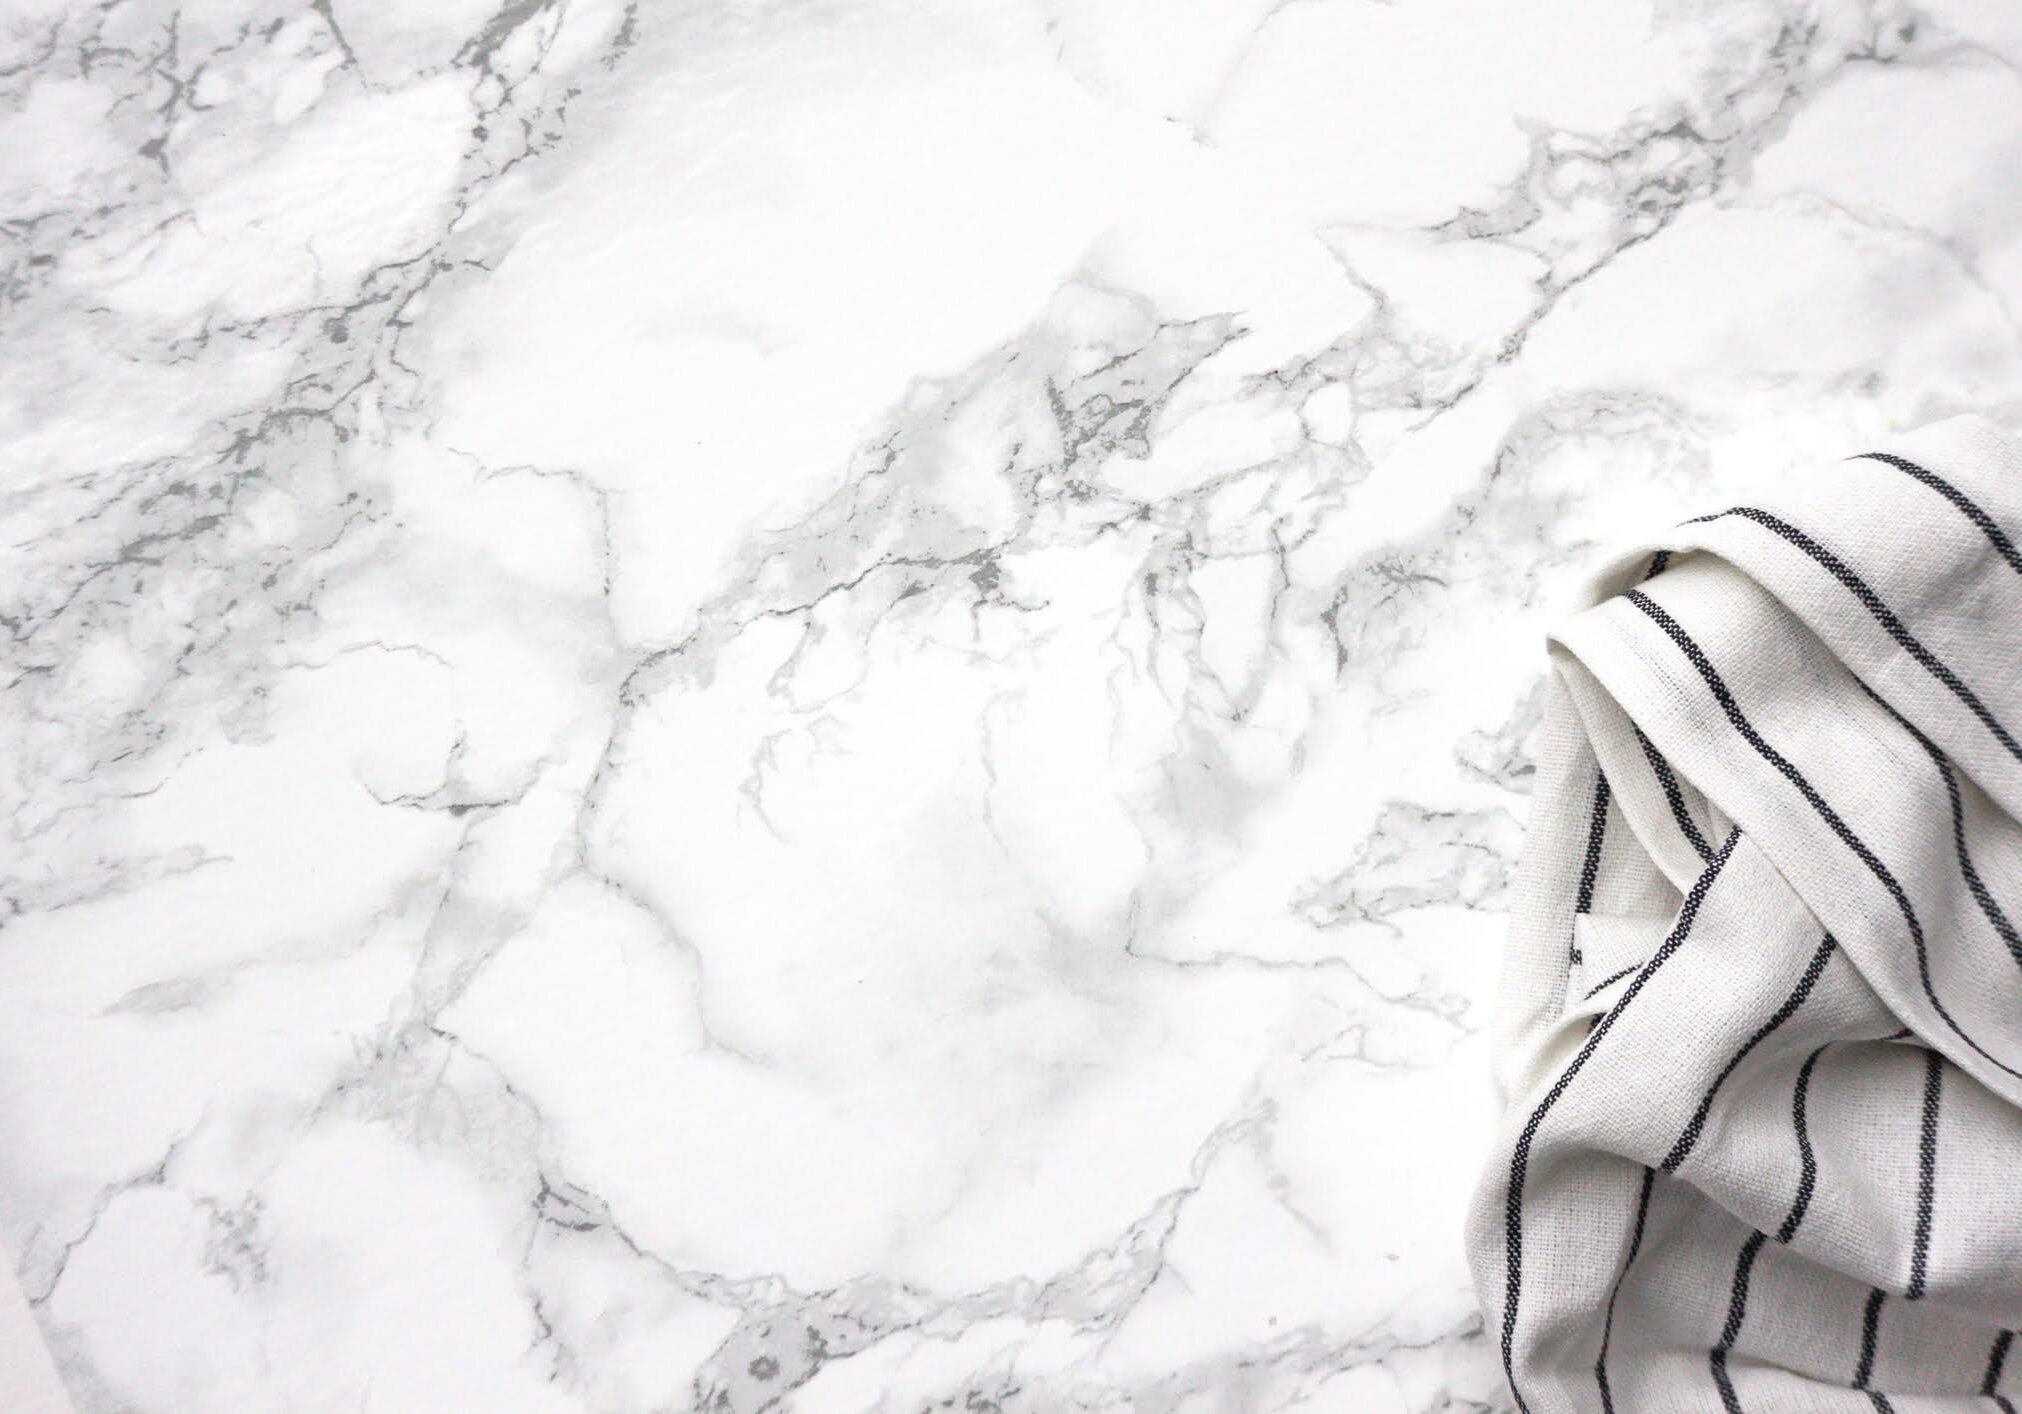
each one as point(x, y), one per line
point(779, 706)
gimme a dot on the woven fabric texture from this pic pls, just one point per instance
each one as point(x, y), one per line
point(1759, 1028)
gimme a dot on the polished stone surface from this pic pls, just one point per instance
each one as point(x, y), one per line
point(741, 706)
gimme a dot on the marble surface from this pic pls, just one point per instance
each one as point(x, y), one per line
point(777, 705)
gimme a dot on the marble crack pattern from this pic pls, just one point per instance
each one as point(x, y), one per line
point(762, 707)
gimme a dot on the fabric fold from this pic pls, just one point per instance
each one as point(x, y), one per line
point(1759, 1033)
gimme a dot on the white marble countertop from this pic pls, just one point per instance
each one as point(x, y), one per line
point(742, 706)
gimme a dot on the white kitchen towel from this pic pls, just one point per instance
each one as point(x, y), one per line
point(1759, 1034)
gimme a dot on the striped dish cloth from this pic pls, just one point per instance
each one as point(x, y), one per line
point(1759, 1031)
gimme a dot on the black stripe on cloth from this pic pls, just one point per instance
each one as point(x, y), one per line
point(1975, 885)
point(1927, 1173)
point(1609, 981)
point(1513, 1214)
point(1672, 793)
point(1783, 1013)
point(1807, 1162)
point(1880, 1402)
point(1893, 626)
point(1871, 1325)
point(1608, 1323)
point(1597, 831)
point(1967, 507)
point(1737, 1309)
point(1996, 1359)
point(1839, 827)
point(1590, 867)
point(1659, 562)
